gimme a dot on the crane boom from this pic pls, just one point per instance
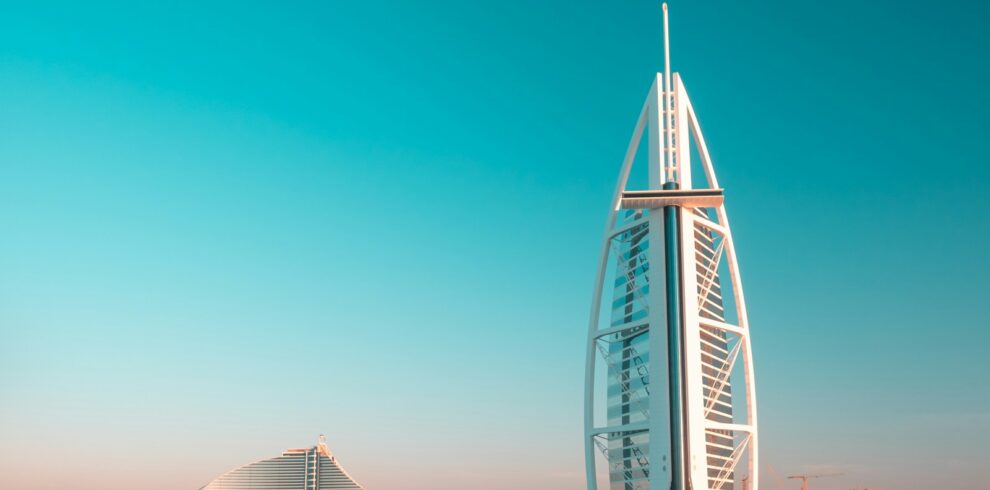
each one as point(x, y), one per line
point(804, 478)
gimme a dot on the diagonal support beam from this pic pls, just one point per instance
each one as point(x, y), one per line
point(730, 465)
point(723, 376)
point(630, 273)
point(711, 272)
point(623, 377)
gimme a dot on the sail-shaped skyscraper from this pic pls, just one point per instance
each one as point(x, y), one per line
point(670, 390)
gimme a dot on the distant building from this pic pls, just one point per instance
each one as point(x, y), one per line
point(314, 468)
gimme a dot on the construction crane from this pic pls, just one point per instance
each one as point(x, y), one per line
point(804, 478)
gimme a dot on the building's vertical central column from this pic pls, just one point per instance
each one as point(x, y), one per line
point(675, 344)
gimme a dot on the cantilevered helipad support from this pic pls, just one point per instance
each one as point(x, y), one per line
point(660, 408)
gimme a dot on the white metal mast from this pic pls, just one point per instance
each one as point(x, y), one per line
point(673, 404)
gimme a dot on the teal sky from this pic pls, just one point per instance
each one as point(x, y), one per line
point(225, 229)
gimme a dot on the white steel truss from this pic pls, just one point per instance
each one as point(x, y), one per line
point(627, 397)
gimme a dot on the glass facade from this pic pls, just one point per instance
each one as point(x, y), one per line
point(628, 362)
point(627, 354)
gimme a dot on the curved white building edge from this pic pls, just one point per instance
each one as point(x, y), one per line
point(313, 468)
point(669, 279)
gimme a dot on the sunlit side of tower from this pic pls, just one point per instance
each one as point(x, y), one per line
point(668, 335)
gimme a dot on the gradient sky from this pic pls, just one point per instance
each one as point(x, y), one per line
point(227, 229)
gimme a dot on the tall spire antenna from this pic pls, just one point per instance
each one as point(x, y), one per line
point(668, 97)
